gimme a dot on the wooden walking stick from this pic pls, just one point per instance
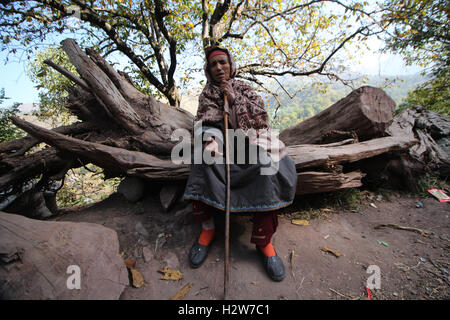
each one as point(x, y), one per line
point(227, 201)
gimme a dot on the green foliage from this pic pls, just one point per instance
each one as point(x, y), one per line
point(53, 86)
point(352, 199)
point(8, 130)
point(305, 104)
point(429, 181)
point(83, 186)
point(313, 206)
point(420, 31)
point(421, 35)
point(433, 95)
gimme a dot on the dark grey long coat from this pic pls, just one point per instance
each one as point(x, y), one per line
point(251, 191)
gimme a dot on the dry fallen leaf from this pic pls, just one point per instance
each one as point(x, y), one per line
point(334, 252)
point(138, 278)
point(300, 222)
point(171, 274)
point(180, 294)
point(130, 263)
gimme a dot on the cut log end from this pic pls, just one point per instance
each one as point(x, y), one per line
point(367, 111)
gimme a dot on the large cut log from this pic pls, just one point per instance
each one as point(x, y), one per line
point(117, 160)
point(316, 182)
point(135, 163)
point(367, 111)
point(313, 156)
point(103, 89)
point(18, 147)
point(23, 169)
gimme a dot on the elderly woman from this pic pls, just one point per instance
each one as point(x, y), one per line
point(259, 185)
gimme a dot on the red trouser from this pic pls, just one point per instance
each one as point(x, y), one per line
point(264, 224)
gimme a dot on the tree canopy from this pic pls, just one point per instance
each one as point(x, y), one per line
point(161, 38)
point(420, 33)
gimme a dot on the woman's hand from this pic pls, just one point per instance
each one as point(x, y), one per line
point(228, 91)
point(213, 147)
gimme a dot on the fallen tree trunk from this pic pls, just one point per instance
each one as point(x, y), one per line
point(136, 163)
point(116, 160)
point(367, 112)
point(309, 155)
point(317, 182)
point(18, 147)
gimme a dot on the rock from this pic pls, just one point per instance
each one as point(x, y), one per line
point(183, 216)
point(147, 253)
point(141, 230)
point(444, 143)
point(30, 204)
point(185, 211)
point(171, 261)
point(42, 260)
point(132, 188)
point(169, 195)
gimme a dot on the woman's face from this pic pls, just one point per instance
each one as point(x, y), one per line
point(219, 68)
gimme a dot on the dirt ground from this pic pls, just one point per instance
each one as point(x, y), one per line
point(412, 265)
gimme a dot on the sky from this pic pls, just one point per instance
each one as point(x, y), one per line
point(18, 87)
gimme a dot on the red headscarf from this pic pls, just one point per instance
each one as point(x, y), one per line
point(215, 53)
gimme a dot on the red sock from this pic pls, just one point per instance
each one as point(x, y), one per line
point(268, 250)
point(206, 237)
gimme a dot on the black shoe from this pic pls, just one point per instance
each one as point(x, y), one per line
point(273, 265)
point(198, 254)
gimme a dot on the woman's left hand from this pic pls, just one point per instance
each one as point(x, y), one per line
point(228, 91)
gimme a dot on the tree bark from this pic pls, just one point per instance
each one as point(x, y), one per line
point(115, 160)
point(426, 155)
point(313, 156)
point(316, 182)
point(147, 166)
point(367, 111)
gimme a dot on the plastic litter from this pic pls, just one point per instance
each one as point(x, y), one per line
point(440, 195)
